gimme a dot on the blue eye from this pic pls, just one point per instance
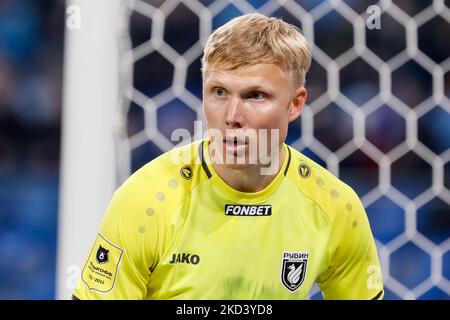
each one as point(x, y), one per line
point(219, 91)
point(257, 95)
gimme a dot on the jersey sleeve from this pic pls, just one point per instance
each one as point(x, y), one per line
point(125, 250)
point(354, 270)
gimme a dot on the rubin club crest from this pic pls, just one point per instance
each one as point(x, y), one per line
point(293, 269)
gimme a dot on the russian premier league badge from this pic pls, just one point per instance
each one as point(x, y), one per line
point(293, 269)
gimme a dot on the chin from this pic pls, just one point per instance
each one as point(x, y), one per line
point(238, 166)
point(235, 160)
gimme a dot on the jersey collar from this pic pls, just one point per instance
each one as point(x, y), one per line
point(238, 196)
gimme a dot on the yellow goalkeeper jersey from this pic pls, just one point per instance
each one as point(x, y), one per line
point(176, 230)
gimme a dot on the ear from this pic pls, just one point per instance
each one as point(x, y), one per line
point(297, 103)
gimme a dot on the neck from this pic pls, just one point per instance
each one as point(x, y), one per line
point(248, 179)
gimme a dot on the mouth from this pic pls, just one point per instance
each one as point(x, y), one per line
point(234, 145)
point(234, 141)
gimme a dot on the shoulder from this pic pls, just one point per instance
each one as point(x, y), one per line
point(334, 197)
point(175, 167)
point(163, 183)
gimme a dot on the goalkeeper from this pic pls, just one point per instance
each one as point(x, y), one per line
point(219, 218)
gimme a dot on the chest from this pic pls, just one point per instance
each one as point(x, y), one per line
point(246, 251)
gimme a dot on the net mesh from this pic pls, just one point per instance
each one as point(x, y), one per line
point(378, 112)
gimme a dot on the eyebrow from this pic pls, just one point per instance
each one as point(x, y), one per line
point(250, 88)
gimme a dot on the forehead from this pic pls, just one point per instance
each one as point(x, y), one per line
point(262, 74)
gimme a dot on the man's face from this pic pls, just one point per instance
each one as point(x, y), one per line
point(255, 98)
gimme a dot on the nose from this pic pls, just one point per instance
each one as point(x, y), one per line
point(234, 117)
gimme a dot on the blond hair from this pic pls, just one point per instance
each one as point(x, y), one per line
point(254, 38)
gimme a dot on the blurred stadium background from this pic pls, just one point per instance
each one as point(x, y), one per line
point(378, 116)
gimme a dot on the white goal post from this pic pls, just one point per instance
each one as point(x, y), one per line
point(88, 158)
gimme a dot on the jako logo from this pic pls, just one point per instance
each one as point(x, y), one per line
point(248, 210)
point(184, 258)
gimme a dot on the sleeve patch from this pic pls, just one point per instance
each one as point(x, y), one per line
point(100, 271)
